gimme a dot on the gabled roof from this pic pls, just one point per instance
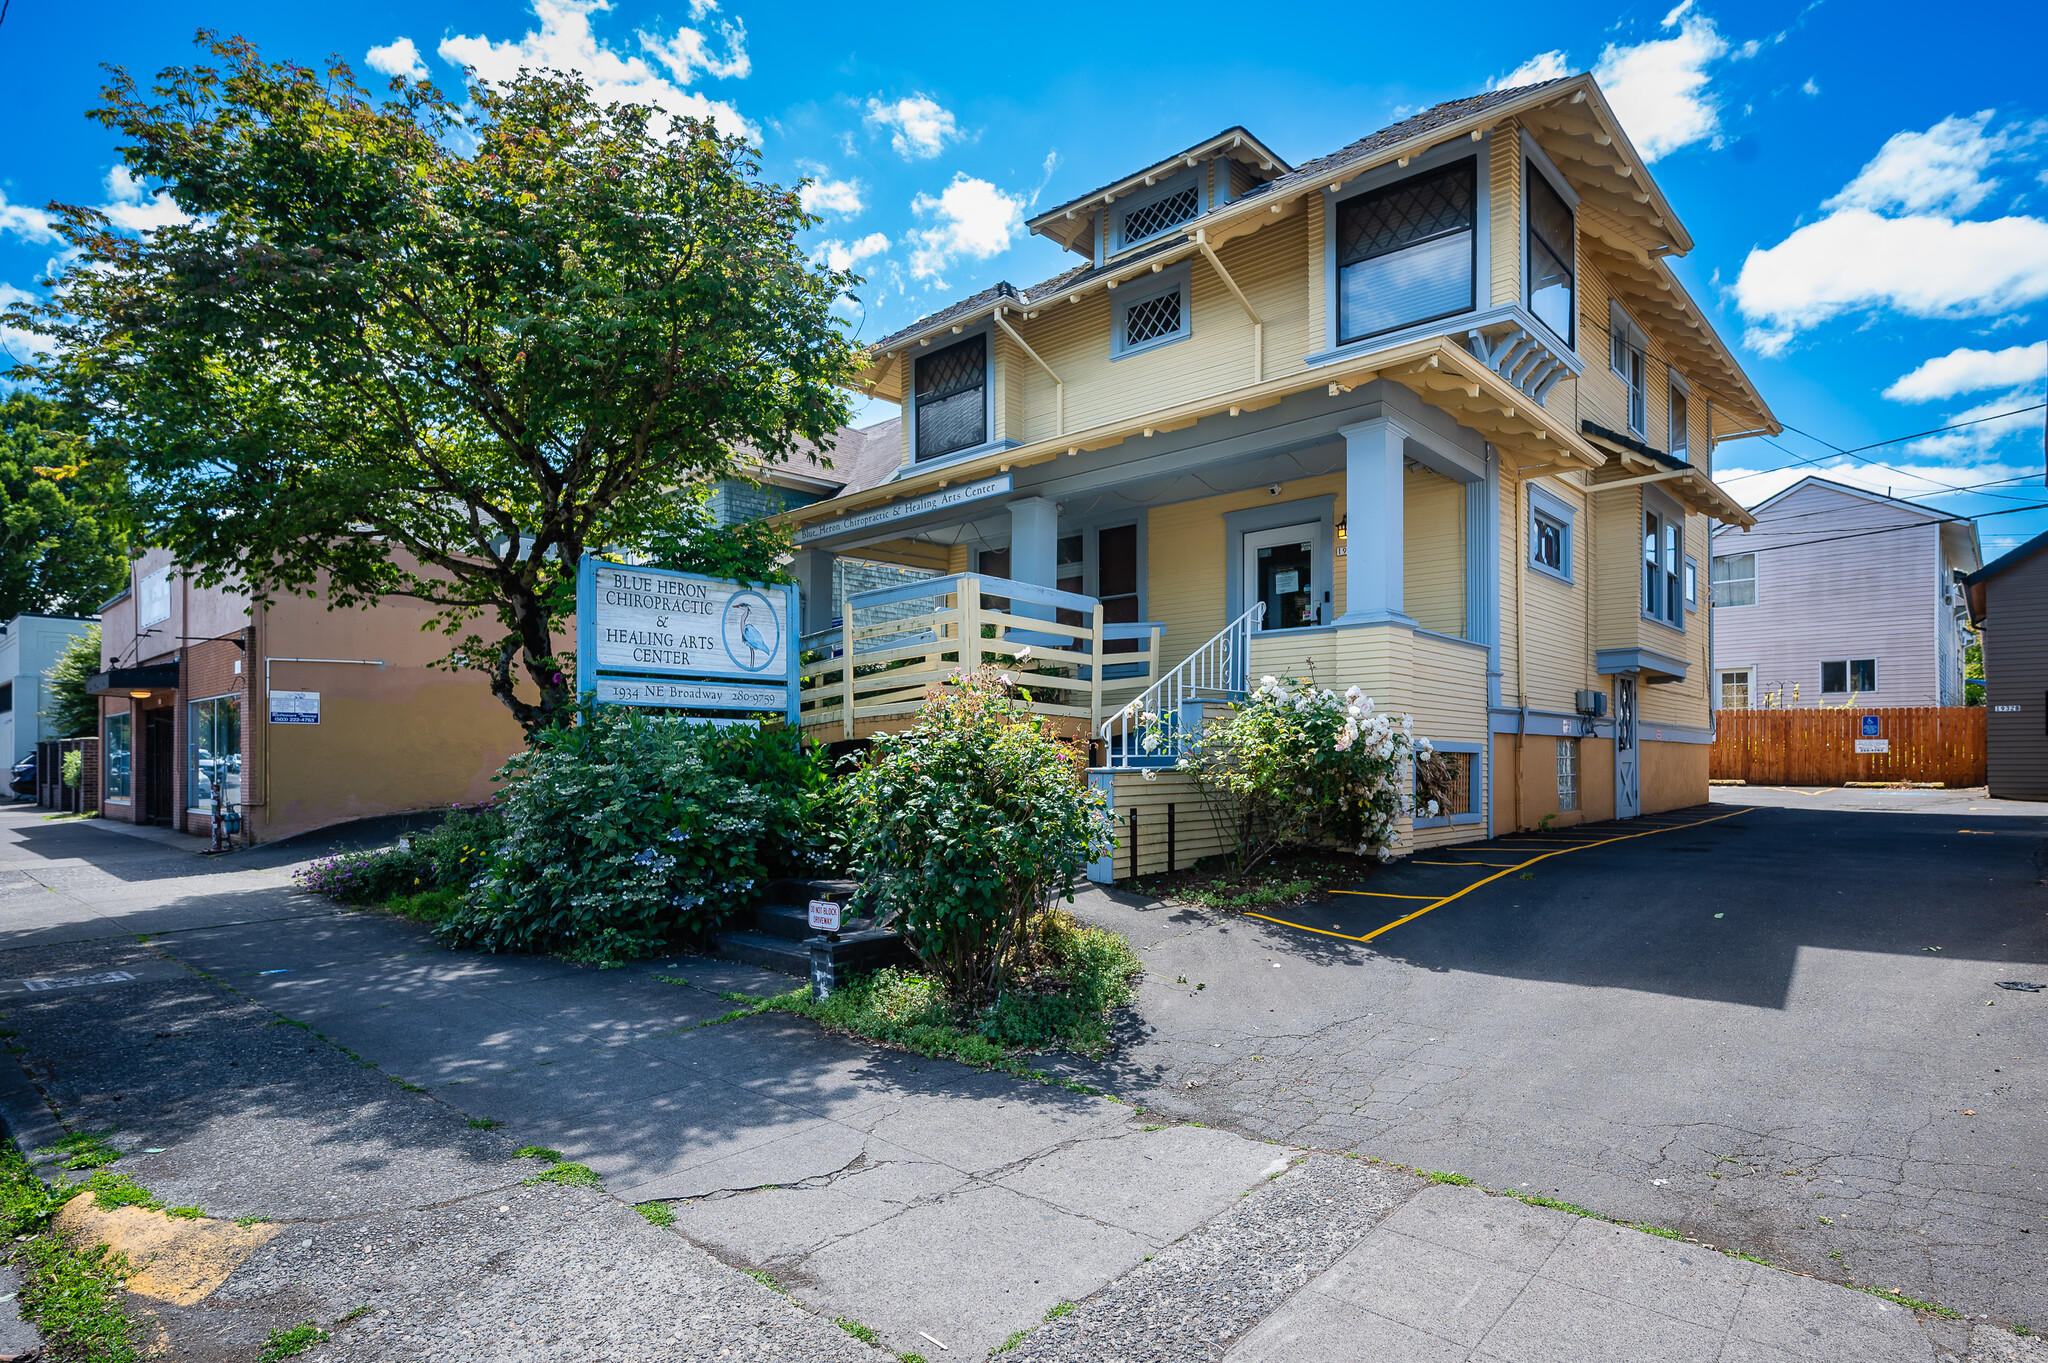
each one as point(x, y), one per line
point(1815, 480)
point(1973, 583)
point(1066, 222)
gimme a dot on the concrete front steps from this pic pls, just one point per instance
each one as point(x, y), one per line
point(781, 938)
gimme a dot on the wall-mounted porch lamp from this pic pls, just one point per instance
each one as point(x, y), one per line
point(1343, 527)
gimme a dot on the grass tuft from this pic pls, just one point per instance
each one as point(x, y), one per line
point(537, 1152)
point(569, 1176)
point(1062, 1308)
point(84, 1149)
point(765, 1280)
point(657, 1213)
point(484, 1123)
point(284, 1344)
point(1440, 1176)
point(859, 1331)
point(1016, 1338)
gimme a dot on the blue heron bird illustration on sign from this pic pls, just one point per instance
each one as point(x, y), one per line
point(750, 631)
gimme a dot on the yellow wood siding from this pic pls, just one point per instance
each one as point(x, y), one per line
point(1558, 614)
point(1447, 696)
point(1315, 298)
point(1505, 231)
point(1618, 556)
point(1433, 542)
point(1170, 795)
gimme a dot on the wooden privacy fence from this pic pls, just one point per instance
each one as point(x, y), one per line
point(1819, 747)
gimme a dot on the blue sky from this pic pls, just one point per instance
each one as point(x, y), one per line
point(1867, 185)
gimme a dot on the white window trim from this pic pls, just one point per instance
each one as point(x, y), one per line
point(1482, 280)
point(1749, 684)
point(1533, 154)
point(1196, 177)
point(1622, 328)
point(1689, 578)
point(1558, 510)
point(1173, 279)
point(986, 330)
point(1667, 510)
point(1749, 554)
point(1475, 754)
point(1849, 688)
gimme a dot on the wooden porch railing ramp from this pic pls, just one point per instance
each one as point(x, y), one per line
point(870, 673)
point(1219, 670)
point(1818, 747)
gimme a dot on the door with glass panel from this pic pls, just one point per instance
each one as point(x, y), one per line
point(1280, 570)
point(1628, 797)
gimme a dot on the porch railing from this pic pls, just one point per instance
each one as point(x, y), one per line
point(894, 643)
point(1217, 671)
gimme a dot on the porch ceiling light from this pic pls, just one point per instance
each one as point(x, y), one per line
point(139, 695)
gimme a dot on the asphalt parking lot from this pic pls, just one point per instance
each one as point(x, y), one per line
point(1772, 1023)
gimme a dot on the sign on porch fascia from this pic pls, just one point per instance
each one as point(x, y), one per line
point(650, 636)
point(914, 506)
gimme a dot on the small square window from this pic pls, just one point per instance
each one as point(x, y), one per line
point(1735, 690)
point(1733, 579)
point(1550, 534)
point(1152, 313)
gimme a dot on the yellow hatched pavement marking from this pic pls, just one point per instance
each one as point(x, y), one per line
point(1460, 894)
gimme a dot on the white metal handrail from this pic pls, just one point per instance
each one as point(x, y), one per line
point(1218, 670)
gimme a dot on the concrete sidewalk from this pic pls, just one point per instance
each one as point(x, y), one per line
point(932, 1204)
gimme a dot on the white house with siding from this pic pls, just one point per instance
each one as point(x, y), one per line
point(1839, 596)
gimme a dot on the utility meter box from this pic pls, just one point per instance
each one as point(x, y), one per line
point(1593, 704)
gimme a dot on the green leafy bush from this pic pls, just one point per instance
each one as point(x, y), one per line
point(965, 829)
point(1295, 763)
point(74, 768)
point(451, 854)
point(623, 833)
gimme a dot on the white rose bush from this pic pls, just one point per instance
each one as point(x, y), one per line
point(1299, 764)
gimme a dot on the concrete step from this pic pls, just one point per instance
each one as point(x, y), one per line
point(769, 952)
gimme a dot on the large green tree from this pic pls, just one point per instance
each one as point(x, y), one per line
point(405, 346)
point(62, 547)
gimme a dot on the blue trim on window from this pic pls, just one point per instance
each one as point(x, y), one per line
point(1482, 227)
point(986, 329)
point(1172, 279)
point(1115, 244)
point(1477, 815)
point(1558, 510)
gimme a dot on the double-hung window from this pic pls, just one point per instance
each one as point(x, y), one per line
point(1552, 284)
point(1734, 579)
point(1407, 252)
point(1663, 589)
point(1628, 356)
point(1681, 422)
point(950, 395)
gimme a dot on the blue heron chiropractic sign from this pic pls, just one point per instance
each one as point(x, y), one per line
point(648, 636)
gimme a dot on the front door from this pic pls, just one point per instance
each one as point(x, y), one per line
point(1280, 570)
point(159, 756)
point(1628, 792)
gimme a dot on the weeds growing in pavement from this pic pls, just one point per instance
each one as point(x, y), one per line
point(83, 1149)
point(284, 1344)
point(569, 1176)
point(657, 1213)
point(859, 1331)
point(484, 1123)
point(765, 1280)
point(70, 1295)
point(537, 1152)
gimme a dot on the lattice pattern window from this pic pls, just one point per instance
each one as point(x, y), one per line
point(1567, 773)
point(1405, 252)
point(1160, 215)
point(951, 413)
point(1152, 319)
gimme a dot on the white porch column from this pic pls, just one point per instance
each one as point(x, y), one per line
point(814, 569)
point(1374, 487)
point(1034, 541)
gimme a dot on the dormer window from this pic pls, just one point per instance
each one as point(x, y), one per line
point(1551, 257)
point(1408, 253)
point(1155, 212)
point(950, 398)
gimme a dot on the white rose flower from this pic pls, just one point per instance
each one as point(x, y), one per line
point(1267, 683)
point(1151, 743)
point(1024, 653)
point(1353, 694)
point(1432, 809)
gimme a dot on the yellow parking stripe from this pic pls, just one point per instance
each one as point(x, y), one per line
point(1460, 894)
point(1381, 894)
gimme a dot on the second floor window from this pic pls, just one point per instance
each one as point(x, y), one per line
point(1406, 253)
point(1734, 579)
point(1627, 355)
point(950, 392)
point(1681, 422)
point(1550, 256)
point(1148, 220)
point(1663, 597)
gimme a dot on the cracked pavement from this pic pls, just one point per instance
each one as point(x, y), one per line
point(1769, 1032)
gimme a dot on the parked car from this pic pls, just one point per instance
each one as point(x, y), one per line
point(22, 781)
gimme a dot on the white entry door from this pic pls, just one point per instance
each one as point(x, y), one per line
point(1628, 790)
point(1280, 570)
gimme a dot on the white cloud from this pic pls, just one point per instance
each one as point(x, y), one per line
point(840, 255)
point(564, 42)
point(31, 224)
point(1659, 88)
point(1539, 68)
point(1938, 171)
point(1983, 426)
point(1812, 87)
point(1923, 262)
point(16, 344)
point(398, 57)
point(1971, 371)
point(1915, 482)
point(975, 219)
point(134, 207)
point(824, 195)
point(919, 127)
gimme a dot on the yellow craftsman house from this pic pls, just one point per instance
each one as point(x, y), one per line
point(1429, 415)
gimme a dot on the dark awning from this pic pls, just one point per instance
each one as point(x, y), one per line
point(162, 677)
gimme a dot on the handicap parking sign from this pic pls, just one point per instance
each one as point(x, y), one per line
point(1870, 726)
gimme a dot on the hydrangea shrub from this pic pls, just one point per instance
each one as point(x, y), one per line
point(451, 853)
point(625, 833)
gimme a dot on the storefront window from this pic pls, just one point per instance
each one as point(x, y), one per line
point(216, 753)
point(120, 756)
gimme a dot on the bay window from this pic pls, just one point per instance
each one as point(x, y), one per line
point(1407, 253)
